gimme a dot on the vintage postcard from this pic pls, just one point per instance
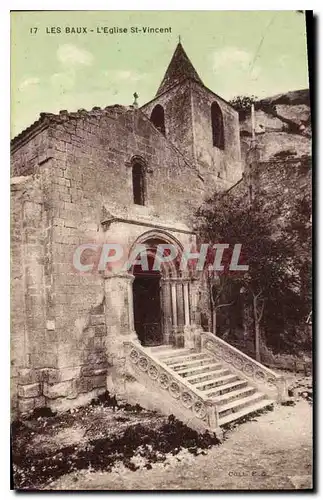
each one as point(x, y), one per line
point(161, 291)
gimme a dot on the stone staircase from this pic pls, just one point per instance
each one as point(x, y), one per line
point(206, 387)
point(234, 396)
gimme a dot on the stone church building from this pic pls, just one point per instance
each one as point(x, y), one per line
point(131, 176)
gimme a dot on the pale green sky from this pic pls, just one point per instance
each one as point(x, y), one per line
point(50, 72)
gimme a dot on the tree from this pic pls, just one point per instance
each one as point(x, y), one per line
point(217, 285)
point(228, 219)
point(298, 232)
point(242, 104)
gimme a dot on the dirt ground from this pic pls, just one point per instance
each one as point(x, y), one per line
point(271, 451)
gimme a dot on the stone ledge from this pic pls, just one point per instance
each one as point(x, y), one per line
point(28, 376)
point(63, 404)
point(27, 405)
point(29, 391)
point(69, 373)
point(88, 371)
point(87, 384)
point(40, 402)
point(61, 389)
point(50, 375)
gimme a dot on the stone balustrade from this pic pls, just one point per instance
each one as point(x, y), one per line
point(259, 375)
point(195, 404)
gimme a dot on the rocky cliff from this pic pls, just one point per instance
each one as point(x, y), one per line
point(283, 126)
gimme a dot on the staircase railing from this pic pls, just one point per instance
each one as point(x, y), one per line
point(259, 375)
point(143, 363)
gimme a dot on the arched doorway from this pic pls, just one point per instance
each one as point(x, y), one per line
point(147, 304)
point(153, 311)
point(164, 300)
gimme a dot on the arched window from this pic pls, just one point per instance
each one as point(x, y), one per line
point(158, 118)
point(138, 183)
point(217, 126)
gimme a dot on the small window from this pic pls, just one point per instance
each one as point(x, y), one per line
point(158, 118)
point(138, 184)
point(217, 126)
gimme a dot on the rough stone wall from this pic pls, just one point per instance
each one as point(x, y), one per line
point(33, 345)
point(177, 106)
point(221, 168)
point(34, 152)
point(288, 180)
point(92, 171)
point(17, 292)
point(283, 180)
point(88, 175)
point(187, 110)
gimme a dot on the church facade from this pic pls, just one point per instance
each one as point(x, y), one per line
point(130, 176)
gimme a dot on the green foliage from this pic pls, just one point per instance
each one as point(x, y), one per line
point(276, 253)
point(226, 219)
point(242, 104)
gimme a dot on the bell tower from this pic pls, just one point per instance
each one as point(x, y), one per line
point(202, 125)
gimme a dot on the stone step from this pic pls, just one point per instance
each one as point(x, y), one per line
point(227, 388)
point(231, 417)
point(196, 370)
point(182, 358)
point(239, 404)
point(213, 381)
point(232, 395)
point(188, 364)
point(172, 352)
point(156, 348)
point(218, 382)
point(202, 377)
